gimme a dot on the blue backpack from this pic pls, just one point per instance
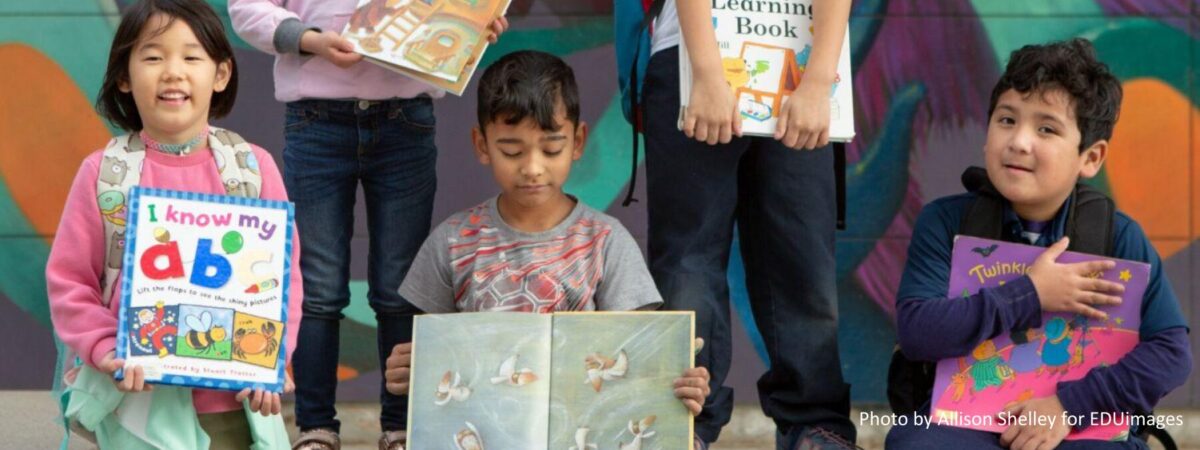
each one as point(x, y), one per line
point(631, 29)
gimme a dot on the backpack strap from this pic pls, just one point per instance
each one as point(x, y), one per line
point(1090, 222)
point(120, 169)
point(1090, 216)
point(984, 217)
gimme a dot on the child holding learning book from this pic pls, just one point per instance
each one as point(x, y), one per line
point(533, 248)
point(170, 71)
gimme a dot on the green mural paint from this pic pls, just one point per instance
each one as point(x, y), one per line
point(600, 176)
point(1008, 23)
point(22, 260)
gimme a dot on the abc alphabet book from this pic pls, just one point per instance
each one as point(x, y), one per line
point(583, 380)
point(205, 291)
point(969, 391)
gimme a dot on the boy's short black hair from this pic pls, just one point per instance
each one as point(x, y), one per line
point(1071, 66)
point(118, 107)
point(527, 83)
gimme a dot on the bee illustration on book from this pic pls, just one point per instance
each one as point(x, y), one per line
point(203, 335)
point(601, 368)
point(985, 251)
point(451, 388)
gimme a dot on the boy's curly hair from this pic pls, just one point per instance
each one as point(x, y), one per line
point(1071, 66)
point(524, 84)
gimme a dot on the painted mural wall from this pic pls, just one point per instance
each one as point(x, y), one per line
point(923, 72)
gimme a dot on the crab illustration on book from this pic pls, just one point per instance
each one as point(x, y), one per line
point(468, 439)
point(509, 374)
point(450, 389)
point(601, 368)
point(640, 433)
point(581, 442)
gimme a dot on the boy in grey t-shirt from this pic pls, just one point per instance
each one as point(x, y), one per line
point(475, 261)
point(532, 248)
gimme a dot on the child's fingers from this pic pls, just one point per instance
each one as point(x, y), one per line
point(1052, 252)
point(256, 403)
point(781, 126)
point(241, 395)
point(693, 406)
point(1090, 267)
point(1081, 308)
point(698, 343)
point(689, 124)
point(1100, 286)
point(397, 388)
point(139, 379)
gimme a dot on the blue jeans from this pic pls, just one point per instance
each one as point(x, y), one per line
point(950, 438)
point(784, 204)
point(330, 147)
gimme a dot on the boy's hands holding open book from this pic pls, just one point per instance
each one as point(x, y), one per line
point(1073, 288)
point(397, 369)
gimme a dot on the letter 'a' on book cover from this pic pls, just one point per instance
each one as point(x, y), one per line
point(585, 380)
point(764, 52)
point(435, 41)
point(969, 391)
point(205, 291)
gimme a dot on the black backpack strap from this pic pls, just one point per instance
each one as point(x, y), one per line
point(1090, 221)
point(839, 174)
point(984, 217)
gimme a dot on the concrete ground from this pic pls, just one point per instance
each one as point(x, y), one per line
point(27, 422)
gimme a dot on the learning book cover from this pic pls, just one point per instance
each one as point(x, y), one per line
point(582, 381)
point(765, 47)
point(1027, 364)
point(205, 289)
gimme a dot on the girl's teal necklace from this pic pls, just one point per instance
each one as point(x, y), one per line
point(175, 149)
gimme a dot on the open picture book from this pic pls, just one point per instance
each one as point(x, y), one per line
point(587, 380)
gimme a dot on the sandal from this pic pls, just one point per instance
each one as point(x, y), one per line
point(393, 440)
point(318, 439)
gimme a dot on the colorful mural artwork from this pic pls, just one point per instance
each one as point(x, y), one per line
point(922, 75)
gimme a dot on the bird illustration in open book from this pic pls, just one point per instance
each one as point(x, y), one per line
point(508, 373)
point(468, 439)
point(581, 442)
point(450, 389)
point(601, 368)
point(640, 433)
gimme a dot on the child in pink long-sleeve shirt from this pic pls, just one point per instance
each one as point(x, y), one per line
point(170, 70)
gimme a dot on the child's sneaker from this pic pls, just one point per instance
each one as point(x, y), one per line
point(393, 440)
point(817, 438)
point(318, 439)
